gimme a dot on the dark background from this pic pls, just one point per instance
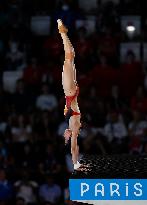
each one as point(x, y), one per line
point(34, 163)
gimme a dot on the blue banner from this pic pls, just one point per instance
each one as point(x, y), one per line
point(108, 189)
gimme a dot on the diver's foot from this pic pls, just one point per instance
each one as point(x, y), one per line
point(61, 27)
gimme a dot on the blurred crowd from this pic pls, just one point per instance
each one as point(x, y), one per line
point(35, 164)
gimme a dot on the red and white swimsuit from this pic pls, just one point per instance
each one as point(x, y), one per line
point(68, 112)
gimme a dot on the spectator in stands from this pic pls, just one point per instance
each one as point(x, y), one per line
point(40, 172)
point(28, 156)
point(130, 69)
point(107, 44)
point(104, 76)
point(21, 131)
point(97, 115)
point(139, 101)
point(53, 47)
point(23, 65)
point(115, 132)
point(83, 46)
point(50, 191)
point(6, 191)
point(46, 101)
point(102, 64)
point(116, 101)
point(43, 126)
point(32, 75)
point(50, 159)
point(137, 129)
point(14, 58)
point(52, 73)
point(26, 189)
point(21, 100)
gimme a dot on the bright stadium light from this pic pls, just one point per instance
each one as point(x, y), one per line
point(130, 28)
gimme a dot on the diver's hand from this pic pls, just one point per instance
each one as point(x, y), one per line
point(67, 135)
